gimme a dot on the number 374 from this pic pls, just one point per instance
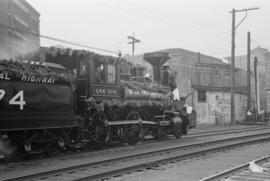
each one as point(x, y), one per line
point(17, 99)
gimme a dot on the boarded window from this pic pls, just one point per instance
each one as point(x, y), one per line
point(201, 95)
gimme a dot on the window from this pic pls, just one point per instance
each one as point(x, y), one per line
point(82, 67)
point(201, 95)
point(9, 19)
point(111, 73)
point(9, 35)
point(99, 72)
point(21, 6)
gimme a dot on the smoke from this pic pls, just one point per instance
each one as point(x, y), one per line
point(15, 47)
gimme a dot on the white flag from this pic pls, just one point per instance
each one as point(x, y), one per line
point(176, 94)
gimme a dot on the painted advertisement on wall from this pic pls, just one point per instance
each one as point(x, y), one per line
point(219, 106)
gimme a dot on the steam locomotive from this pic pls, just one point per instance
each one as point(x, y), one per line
point(80, 99)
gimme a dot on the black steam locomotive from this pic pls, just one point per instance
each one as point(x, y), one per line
point(80, 98)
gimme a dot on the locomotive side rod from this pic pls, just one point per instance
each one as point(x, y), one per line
point(126, 122)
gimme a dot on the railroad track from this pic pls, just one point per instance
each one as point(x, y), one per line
point(186, 138)
point(222, 132)
point(242, 172)
point(147, 160)
point(147, 143)
point(153, 142)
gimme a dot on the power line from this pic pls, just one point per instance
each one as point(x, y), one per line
point(178, 19)
point(159, 20)
point(59, 40)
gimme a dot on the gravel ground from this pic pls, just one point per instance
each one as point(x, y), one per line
point(199, 167)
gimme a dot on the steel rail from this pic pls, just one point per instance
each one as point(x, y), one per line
point(231, 142)
point(218, 132)
point(166, 160)
point(152, 141)
point(229, 172)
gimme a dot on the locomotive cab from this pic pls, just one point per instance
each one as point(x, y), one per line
point(105, 79)
point(98, 78)
point(98, 86)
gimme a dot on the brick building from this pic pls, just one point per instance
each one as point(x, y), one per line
point(18, 20)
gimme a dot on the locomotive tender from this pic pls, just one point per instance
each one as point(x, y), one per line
point(47, 108)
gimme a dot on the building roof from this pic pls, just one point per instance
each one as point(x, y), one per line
point(195, 55)
point(32, 8)
point(217, 65)
point(254, 50)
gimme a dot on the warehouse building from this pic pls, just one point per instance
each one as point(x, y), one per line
point(19, 27)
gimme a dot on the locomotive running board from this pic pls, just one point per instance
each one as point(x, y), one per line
point(113, 123)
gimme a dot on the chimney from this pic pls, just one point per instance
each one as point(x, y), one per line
point(156, 59)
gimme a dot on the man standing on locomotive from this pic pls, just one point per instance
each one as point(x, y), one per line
point(99, 74)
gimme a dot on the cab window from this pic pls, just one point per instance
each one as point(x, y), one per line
point(99, 72)
point(111, 76)
point(82, 68)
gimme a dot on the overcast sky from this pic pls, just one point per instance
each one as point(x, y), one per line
point(196, 25)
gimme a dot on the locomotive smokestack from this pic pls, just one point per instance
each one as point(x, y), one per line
point(156, 59)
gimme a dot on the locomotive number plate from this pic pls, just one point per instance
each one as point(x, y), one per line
point(17, 99)
point(105, 91)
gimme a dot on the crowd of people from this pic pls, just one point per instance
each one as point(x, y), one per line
point(21, 67)
point(18, 68)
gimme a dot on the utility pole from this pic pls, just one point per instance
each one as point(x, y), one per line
point(256, 86)
point(133, 41)
point(232, 68)
point(233, 58)
point(248, 73)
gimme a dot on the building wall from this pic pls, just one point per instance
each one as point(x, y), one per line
point(218, 76)
point(263, 76)
point(217, 107)
point(215, 80)
point(268, 100)
point(20, 20)
point(183, 62)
